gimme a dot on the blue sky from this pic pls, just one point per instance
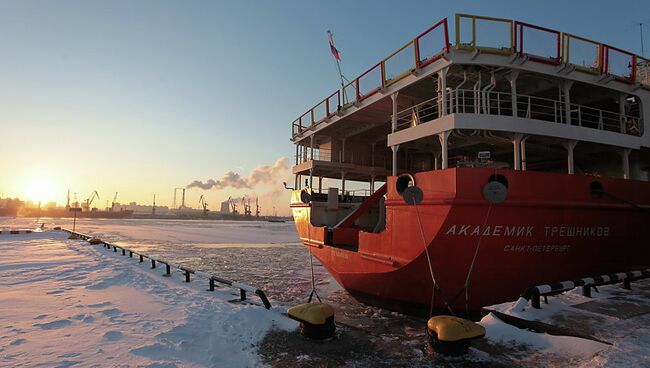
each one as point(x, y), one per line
point(144, 96)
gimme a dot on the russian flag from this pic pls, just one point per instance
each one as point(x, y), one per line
point(333, 49)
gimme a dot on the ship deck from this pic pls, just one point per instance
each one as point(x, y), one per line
point(535, 98)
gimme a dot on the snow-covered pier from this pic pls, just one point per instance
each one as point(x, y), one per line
point(64, 302)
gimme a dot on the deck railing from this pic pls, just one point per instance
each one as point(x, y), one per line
point(466, 101)
point(490, 35)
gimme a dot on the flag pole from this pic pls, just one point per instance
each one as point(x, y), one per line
point(335, 53)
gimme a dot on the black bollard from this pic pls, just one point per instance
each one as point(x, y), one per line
point(130, 254)
point(153, 263)
point(115, 249)
point(242, 294)
point(586, 291)
point(141, 258)
point(123, 252)
point(211, 284)
point(168, 270)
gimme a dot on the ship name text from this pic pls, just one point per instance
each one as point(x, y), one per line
point(528, 231)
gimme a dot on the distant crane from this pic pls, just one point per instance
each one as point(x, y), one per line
point(233, 206)
point(67, 205)
point(247, 206)
point(89, 200)
point(204, 204)
point(113, 203)
point(258, 209)
point(153, 208)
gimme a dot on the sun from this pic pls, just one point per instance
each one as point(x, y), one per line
point(40, 189)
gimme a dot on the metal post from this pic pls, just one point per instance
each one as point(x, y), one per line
point(242, 294)
point(168, 270)
point(123, 252)
point(211, 284)
point(395, 148)
point(115, 249)
point(443, 137)
point(141, 258)
point(130, 254)
point(442, 81)
point(625, 154)
point(187, 276)
point(394, 119)
point(621, 111)
point(523, 153)
point(153, 263)
point(570, 145)
point(566, 88)
point(513, 90)
point(516, 142)
point(311, 158)
point(74, 221)
point(343, 183)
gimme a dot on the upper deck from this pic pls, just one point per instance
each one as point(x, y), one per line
point(503, 78)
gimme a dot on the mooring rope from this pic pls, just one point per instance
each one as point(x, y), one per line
point(311, 263)
point(433, 278)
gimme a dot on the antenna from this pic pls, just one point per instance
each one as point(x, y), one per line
point(641, 34)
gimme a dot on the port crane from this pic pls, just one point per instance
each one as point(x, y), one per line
point(233, 206)
point(247, 206)
point(204, 204)
point(258, 209)
point(89, 200)
point(113, 203)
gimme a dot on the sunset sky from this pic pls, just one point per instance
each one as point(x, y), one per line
point(141, 97)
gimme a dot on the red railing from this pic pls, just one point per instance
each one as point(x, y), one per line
point(620, 64)
point(537, 51)
point(525, 39)
point(423, 42)
point(376, 78)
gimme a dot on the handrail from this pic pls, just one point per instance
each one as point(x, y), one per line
point(530, 107)
point(211, 278)
point(354, 92)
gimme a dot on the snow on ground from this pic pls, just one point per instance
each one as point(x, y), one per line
point(629, 335)
point(67, 302)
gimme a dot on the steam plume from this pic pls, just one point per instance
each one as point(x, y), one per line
point(260, 175)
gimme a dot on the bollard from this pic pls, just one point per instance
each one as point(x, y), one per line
point(242, 294)
point(586, 291)
point(187, 276)
point(211, 284)
point(130, 254)
point(153, 263)
point(123, 252)
point(626, 284)
point(141, 258)
point(115, 249)
point(168, 270)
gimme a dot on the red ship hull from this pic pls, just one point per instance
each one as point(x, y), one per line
point(550, 228)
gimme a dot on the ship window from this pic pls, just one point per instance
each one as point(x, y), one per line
point(499, 178)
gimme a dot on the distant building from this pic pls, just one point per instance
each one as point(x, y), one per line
point(225, 207)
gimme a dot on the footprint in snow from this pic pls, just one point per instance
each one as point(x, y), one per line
point(111, 312)
point(41, 316)
point(99, 305)
point(54, 324)
point(113, 335)
point(18, 342)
